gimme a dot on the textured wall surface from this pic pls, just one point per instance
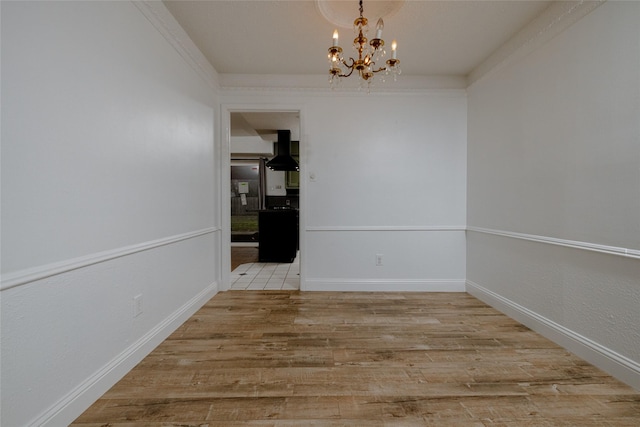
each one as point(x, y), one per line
point(554, 185)
point(111, 189)
point(108, 193)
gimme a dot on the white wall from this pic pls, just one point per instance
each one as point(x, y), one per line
point(251, 144)
point(389, 178)
point(108, 192)
point(554, 188)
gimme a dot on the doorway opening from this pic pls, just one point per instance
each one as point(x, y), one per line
point(264, 201)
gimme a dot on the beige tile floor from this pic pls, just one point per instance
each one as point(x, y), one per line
point(266, 276)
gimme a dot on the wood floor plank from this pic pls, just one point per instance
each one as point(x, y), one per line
point(287, 358)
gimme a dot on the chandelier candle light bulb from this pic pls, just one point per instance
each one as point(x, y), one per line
point(379, 28)
point(394, 46)
point(335, 37)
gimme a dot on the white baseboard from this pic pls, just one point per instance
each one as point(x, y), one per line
point(382, 285)
point(617, 365)
point(67, 409)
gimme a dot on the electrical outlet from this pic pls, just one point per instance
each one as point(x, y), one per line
point(378, 259)
point(137, 305)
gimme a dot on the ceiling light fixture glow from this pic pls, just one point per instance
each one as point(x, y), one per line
point(368, 55)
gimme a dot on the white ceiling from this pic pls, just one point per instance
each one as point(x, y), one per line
point(265, 124)
point(291, 37)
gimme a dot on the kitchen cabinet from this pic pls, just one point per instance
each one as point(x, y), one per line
point(278, 235)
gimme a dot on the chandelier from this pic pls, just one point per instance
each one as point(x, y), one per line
point(369, 55)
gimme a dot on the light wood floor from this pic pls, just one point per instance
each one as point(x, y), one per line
point(284, 358)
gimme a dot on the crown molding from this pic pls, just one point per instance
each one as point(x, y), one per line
point(554, 20)
point(163, 21)
point(319, 83)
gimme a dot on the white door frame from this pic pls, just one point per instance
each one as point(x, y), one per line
point(225, 181)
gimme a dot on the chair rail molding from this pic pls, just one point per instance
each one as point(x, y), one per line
point(587, 246)
point(386, 228)
point(23, 277)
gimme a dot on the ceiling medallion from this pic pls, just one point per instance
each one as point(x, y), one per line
point(368, 55)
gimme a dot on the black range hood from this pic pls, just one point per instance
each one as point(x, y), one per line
point(283, 160)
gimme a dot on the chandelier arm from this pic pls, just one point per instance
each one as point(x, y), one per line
point(346, 75)
point(353, 62)
point(350, 67)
